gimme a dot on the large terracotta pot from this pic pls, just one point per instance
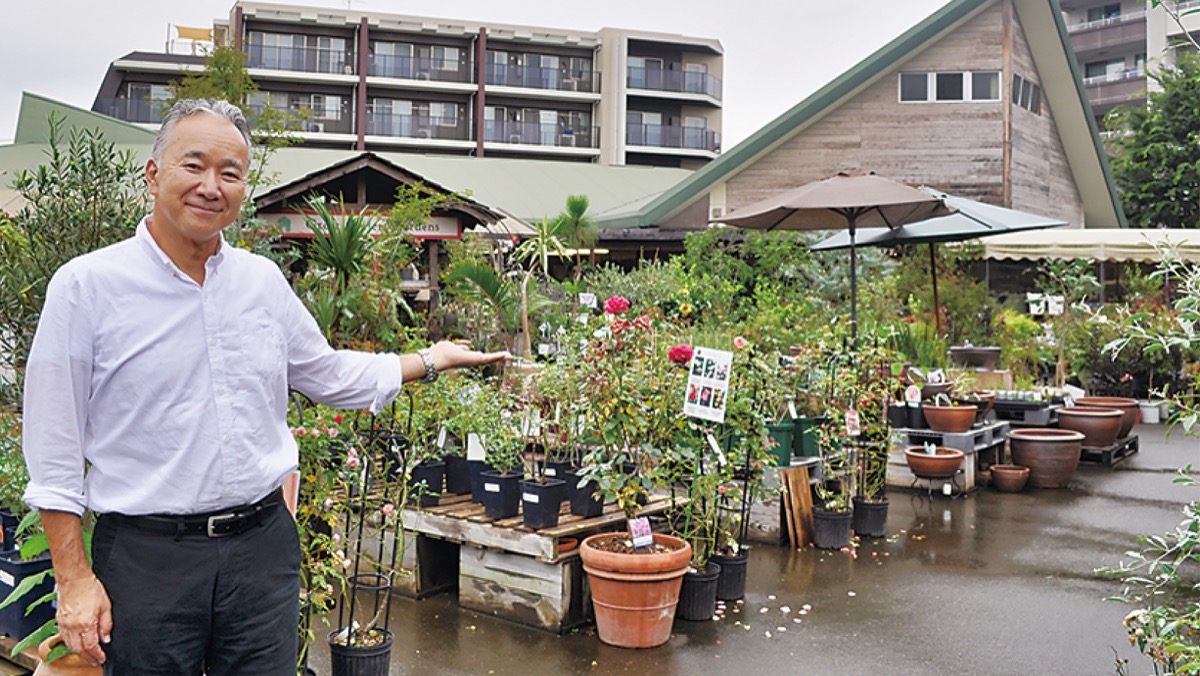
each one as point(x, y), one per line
point(944, 464)
point(67, 665)
point(1100, 426)
point(1050, 454)
point(635, 595)
point(1009, 478)
point(1128, 407)
point(953, 419)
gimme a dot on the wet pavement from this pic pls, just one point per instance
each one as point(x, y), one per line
point(990, 583)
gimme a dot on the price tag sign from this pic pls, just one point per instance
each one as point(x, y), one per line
point(853, 424)
point(912, 393)
point(707, 387)
point(475, 448)
point(639, 528)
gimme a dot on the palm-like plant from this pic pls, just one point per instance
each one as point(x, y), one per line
point(342, 245)
point(577, 229)
point(483, 283)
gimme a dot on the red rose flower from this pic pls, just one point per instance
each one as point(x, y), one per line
point(680, 354)
point(616, 305)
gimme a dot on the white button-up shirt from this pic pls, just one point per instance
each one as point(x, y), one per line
point(174, 395)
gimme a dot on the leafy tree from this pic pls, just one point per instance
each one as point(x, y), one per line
point(1157, 161)
point(86, 196)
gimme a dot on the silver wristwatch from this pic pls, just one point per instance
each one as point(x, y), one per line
point(431, 372)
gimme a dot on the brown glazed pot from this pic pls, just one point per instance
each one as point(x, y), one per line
point(634, 595)
point(945, 463)
point(1100, 426)
point(1128, 407)
point(952, 419)
point(982, 400)
point(984, 358)
point(67, 665)
point(1050, 454)
point(1009, 478)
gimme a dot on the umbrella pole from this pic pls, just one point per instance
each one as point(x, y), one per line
point(853, 284)
point(937, 308)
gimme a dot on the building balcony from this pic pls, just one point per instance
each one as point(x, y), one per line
point(1108, 92)
point(536, 134)
point(299, 59)
point(417, 68)
point(416, 127)
point(670, 136)
point(684, 82)
point(553, 79)
point(142, 111)
point(1107, 34)
point(307, 120)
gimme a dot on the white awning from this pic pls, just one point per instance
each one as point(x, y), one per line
point(1103, 244)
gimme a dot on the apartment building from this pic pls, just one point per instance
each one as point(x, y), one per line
point(388, 82)
point(1115, 43)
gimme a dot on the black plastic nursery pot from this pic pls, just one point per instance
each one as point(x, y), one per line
point(541, 502)
point(458, 474)
point(870, 517)
point(477, 468)
point(897, 414)
point(731, 583)
point(426, 479)
point(916, 416)
point(698, 594)
point(13, 571)
point(584, 501)
point(361, 661)
point(501, 494)
point(558, 470)
point(8, 530)
point(831, 530)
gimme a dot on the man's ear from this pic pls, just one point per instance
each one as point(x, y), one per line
point(152, 176)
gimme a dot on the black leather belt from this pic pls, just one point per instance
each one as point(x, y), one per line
point(211, 524)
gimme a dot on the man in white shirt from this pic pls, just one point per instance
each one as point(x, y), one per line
point(162, 364)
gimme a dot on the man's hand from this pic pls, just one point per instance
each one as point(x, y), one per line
point(85, 617)
point(448, 355)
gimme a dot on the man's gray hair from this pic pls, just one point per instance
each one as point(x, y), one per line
point(188, 107)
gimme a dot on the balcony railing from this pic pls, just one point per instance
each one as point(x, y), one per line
point(418, 68)
point(536, 77)
point(307, 120)
point(1127, 74)
point(671, 136)
point(381, 123)
point(1124, 17)
point(132, 110)
point(683, 81)
point(536, 134)
point(303, 59)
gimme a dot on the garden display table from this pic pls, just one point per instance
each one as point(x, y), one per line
point(981, 445)
point(507, 570)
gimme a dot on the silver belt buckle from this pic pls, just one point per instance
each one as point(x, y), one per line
point(212, 520)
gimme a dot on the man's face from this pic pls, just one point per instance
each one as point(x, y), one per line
point(199, 185)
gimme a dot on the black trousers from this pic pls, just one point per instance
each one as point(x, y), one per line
point(198, 605)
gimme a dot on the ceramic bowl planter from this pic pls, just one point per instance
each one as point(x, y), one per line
point(1100, 426)
point(67, 665)
point(931, 390)
point(1009, 478)
point(968, 356)
point(635, 595)
point(951, 419)
point(944, 462)
point(1050, 454)
point(1128, 408)
point(982, 401)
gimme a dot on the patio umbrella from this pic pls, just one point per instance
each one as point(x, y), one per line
point(971, 220)
point(842, 202)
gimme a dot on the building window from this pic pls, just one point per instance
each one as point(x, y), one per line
point(950, 87)
point(1104, 69)
point(1106, 12)
point(1027, 95)
point(326, 107)
point(445, 58)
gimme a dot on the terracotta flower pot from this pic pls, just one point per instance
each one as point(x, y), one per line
point(1128, 408)
point(945, 463)
point(981, 400)
point(952, 419)
point(1100, 426)
point(634, 595)
point(1009, 478)
point(1050, 454)
point(67, 665)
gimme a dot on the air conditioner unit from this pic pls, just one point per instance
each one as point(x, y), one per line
point(423, 75)
point(424, 133)
point(514, 138)
point(567, 141)
point(317, 127)
point(348, 69)
point(570, 85)
point(715, 212)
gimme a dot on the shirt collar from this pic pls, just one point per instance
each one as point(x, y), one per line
point(153, 249)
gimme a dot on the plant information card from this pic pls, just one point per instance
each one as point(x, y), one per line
point(708, 384)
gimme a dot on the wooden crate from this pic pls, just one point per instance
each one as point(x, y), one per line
point(550, 596)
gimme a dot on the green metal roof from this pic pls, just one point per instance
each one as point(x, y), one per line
point(1082, 149)
point(33, 122)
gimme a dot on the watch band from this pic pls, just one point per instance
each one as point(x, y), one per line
point(431, 372)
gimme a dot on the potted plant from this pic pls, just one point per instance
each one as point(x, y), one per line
point(505, 444)
point(13, 479)
point(425, 470)
point(543, 491)
point(835, 491)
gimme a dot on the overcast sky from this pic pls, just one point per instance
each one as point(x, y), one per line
point(776, 51)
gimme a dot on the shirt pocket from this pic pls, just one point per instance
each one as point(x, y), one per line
point(262, 349)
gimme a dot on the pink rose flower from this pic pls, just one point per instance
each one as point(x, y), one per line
point(642, 322)
point(352, 461)
point(328, 503)
point(740, 342)
point(389, 508)
point(680, 354)
point(616, 305)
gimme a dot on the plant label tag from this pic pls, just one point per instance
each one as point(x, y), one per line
point(475, 449)
point(716, 448)
point(792, 410)
point(491, 488)
point(1068, 401)
point(853, 424)
point(441, 442)
point(912, 393)
point(7, 579)
point(544, 349)
point(551, 471)
point(531, 498)
point(588, 300)
point(639, 528)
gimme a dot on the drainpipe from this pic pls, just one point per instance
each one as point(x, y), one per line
point(481, 79)
point(360, 115)
point(238, 22)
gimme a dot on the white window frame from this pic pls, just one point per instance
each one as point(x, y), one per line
point(968, 84)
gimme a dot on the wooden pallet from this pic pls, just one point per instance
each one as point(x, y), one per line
point(1110, 455)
